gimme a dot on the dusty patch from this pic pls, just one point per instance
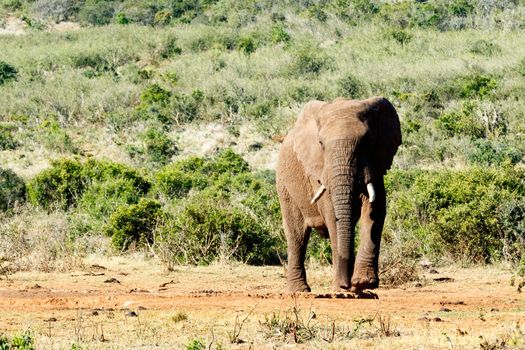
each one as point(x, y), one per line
point(144, 310)
point(13, 26)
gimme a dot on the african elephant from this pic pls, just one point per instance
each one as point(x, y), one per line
point(330, 174)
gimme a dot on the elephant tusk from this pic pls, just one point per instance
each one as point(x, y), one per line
point(371, 192)
point(318, 194)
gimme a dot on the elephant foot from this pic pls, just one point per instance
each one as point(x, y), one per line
point(365, 278)
point(298, 288)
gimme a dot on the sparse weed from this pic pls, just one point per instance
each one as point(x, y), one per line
point(180, 316)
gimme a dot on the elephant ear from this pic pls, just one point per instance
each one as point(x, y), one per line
point(385, 122)
point(306, 140)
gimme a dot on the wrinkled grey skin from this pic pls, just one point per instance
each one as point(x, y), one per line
point(346, 147)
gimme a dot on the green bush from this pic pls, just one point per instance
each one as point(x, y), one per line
point(12, 190)
point(309, 59)
point(208, 228)
point(134, 224)
point(24, 341)
point(461, 123)
point(351, 87)
point(7, 138)
point(158, 146)
point(487, 153)
point(472, 215)
point(121, 18)
point(178, 178)
point(97, 12)
point(476, 85)
point(7, 72)
point(107, 186)
point(54, 137)
point(401, 36)
point(57, 187)
point(280, 35)
point(104, 182)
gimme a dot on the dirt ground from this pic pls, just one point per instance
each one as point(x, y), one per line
point(125, 303)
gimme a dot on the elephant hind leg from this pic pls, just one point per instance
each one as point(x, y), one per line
point(297, 236)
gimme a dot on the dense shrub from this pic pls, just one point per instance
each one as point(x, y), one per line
point(7, 137)
point(177, 179)
point(134, 224)
point(471, 215)
point(351, 87)
point(158, 147)
point(50, 134)
point(12, 189)
point(58, 186)
point(207, 229)
point(230, 213)
point(7, 72)
point(462, 122)
point(109, 185)
point(97, 12)
point(309, 59)
point(476, 85)
point(487, 153)
point(62, 185)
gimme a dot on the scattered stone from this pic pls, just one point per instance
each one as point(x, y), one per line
point(112, 280)
point(132, 314)
point(255, 146)
point(445, 309)
point(35, 286)
point(418, 285)
point(433, 271)
point(451, 303)
point(494, 310)
point(461, 332)
point(98, 267)
point(437, 319)
point(51, 319)
point(443, 279)
point(94, 313)
point(142, 308)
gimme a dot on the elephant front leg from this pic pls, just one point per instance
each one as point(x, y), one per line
point(366, 268)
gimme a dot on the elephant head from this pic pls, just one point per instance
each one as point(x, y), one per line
point(345, 147)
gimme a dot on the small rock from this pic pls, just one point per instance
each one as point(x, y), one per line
point(142, 308)
point(51, 319)
point(255, 146)
point(112, 280)
point(437, 319)
point(418, 285)
point(494, 310)
point(434, 271)
point(132, 314)
point(443, 279)
point(94, 313)
point(445, 309)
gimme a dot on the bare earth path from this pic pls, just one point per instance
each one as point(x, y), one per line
point(122, 304)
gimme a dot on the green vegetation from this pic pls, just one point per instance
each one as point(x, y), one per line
point(134, 81)
point(12, 190)
point(23, 341)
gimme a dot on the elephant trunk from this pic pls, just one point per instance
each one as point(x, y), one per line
point(344, 199)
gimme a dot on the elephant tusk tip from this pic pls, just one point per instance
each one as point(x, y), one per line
point(318, 194)
point(371, 192)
